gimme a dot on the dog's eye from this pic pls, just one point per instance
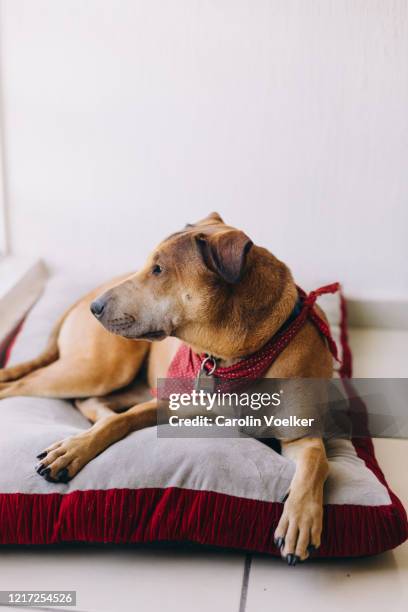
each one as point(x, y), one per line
point(156, 270)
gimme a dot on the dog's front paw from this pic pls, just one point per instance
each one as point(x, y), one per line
point(299, 530)
point(63, 460)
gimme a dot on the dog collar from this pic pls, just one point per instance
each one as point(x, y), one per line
point(187, 364)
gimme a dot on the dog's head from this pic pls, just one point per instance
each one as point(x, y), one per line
point(196, 285)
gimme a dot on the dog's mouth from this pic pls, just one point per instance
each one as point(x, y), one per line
point(160, 334)
point(126, 332)
point(125, 326)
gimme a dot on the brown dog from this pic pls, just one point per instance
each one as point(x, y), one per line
point(207, 286)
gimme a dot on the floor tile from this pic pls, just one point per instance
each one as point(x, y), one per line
point(375, 584)
point(113, 579)
point(379, 353)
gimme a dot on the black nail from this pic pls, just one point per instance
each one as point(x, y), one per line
point(42, 455)
point(284, 498)
point(279, 542)
point(39, 467)
point(47, 475)
point(46, 472)
point(311, 548)
point(62, 475)
point(292, 560)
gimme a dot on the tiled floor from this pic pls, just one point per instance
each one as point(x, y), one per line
point(375, 584)
point(110, 580)
point(121, 580)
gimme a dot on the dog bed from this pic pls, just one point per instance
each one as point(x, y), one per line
point(219, 492)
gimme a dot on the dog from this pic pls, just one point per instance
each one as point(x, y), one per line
point(209, 287)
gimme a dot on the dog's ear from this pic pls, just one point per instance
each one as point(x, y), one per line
point(225, 253)
point(212, 219)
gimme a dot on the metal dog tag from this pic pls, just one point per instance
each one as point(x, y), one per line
point(205, 381)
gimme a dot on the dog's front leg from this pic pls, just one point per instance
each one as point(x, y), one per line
point(63, 460)
point(300, 526)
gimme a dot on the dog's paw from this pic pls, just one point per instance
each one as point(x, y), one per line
point(299, 530)
point(63, 460)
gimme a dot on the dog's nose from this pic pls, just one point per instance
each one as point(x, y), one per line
point(97, 308)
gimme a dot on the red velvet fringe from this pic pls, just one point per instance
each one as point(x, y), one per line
point(182, 515)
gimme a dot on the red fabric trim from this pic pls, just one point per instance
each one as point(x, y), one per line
point(10, 342)
point(346, 368)
point(183, 515)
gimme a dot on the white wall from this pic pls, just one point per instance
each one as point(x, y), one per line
point(125, 119)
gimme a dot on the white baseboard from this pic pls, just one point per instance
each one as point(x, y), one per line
point(380, 314)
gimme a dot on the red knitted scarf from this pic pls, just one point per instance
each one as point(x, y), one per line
point(187, 364)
